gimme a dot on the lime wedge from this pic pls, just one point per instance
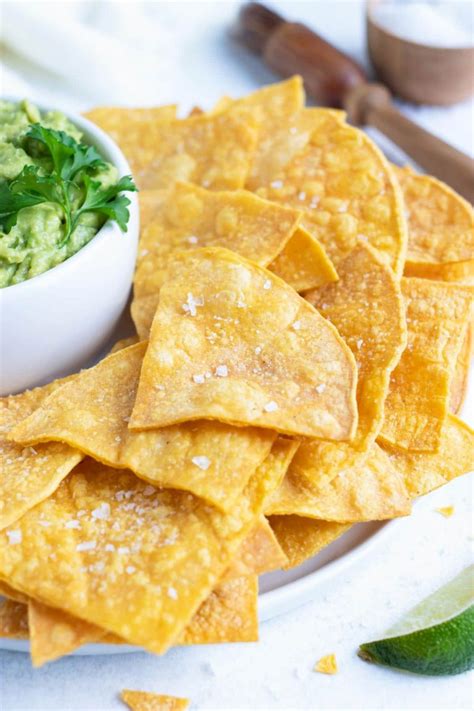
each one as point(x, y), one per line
point(436, 637)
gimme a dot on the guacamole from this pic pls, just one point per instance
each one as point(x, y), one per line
point(55, 192)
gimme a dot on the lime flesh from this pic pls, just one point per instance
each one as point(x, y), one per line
point(436, 637)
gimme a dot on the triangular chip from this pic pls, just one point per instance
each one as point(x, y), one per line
point(91, 414)
point(343, 182)
point(418, 398)
point(29, 474)
point(425, 471)
point(213, 150)
point(372, 491)
point(146, 701)
point(194, 217)
point(259, 553)
point(157, 555)
point(230, 341)
point(302, 538)
point(121, 123)
point(12, 594)
point(143, 311)
point(13, 620)
point(440, 227)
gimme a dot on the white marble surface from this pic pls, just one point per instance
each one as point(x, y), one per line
point(195, 64)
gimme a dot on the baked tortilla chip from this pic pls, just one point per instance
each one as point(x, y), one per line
point(303, 263)
point(425, 471)
point(230, 341)
point(302, 538)
point(259, 553)
point(194, 217)
point(123, 343)
point(418, 398)
point(12, 594)
point(373, 491)
point(146, 701)
point(345, 185)
point(157, 555)
point(210, 459)
point(143, 311)
point(13, 620)
point(460, 379)
point(124, 123)
point(440, 228)
point(212, 150)
point(29, 474)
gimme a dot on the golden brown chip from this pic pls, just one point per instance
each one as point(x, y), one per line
point(425, 471)
point(123, 343)
point(157, 555)
point(460, 379)
point(372, 491)
point(194, 217)
point(417, 403)
point(303, 263)
point(91, 414)
point(125, 124)
point(302, 538)
point(146, 701)
point(13, 620)
point(259, 553)
point(327, 665)
point(29, 474)
point(344, 184)
point(12, 594)
point(230, 341)
point(143, 312)
point(213, 150)
point(440, 227)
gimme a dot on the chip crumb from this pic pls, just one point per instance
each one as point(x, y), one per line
point(270, 406)
point(446, 511)
point(327, 665)
point(202, 462)
point(222, 371)
point(14, 537)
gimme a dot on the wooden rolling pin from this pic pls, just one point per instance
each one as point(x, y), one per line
point(334, 79)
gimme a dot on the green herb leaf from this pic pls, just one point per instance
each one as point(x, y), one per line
point(27, 189)
point(107, 201)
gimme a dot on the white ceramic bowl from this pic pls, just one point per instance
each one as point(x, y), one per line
point(52, 324)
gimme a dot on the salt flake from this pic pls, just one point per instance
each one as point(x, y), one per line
point(270, 406)
point(14, 537)
point(202, 462)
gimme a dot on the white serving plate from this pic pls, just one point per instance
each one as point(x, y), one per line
point(280, 591)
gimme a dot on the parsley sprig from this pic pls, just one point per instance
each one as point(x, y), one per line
point(70, 184)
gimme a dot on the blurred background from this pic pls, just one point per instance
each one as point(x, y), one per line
point(84, 53)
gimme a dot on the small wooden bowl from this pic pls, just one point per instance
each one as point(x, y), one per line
point(416, 72)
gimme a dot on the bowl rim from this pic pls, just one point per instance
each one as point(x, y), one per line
point(95, 136)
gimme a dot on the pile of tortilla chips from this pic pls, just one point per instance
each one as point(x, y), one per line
point(301, 352)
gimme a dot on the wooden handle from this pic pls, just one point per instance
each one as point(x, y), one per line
point(371, 104)
point(291, 48)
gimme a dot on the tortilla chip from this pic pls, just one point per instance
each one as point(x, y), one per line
point(344, 184)
point(228, 615)
point(11, 593)
point(425, 471)
point(157, 555)
point(259, 553)
point(193, 217)
point(143, 311)
point(417, 403)
point(460, 378)
point(213, 150)
point(440, 227)
point(29, 474)
point(327, 665)
point(123, 343)
point(124, 123)
point(276, 106)
point(262, 351)
point(150, 202)
point(303, 263)
point(446, 511)
point(302, 538)
point(373, 491)
point(210, 459)
point(146, 701)
point(367, 308)
point(13, 620)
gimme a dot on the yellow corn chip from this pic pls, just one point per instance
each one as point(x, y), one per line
point(302, 538)
point(327, 665)
point(367, 308)
point(29, 474)
point(193, 217)
point(228, 615)
point(303, 263)
point(446, 511)
point(230, 341)
point(425, 471)
point(440, 228)
point(213, 150)
point(156, 555)
point(11, 593)
point(143, 311)
point(146, 701)
point(344, 184)
point(125, 124)
point(13, 620)
point(151, 203)
point(210, 459)
point(259, 553)
point(460, 379)
point(123, 343)
point(417, 403)
point(372, 491)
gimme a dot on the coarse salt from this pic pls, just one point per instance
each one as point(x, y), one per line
point(222, 371)
point(320, 388)
point(296, 325)
point(172, 593)
point(14, 537)
point(202, 462)
point(199, 379)
point(267, 284)
point(102, 511)
point(270, 406)
point(86, 546)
